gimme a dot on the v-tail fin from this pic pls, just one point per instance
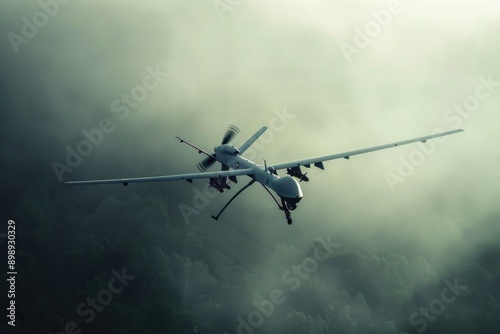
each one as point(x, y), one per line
point(252, 139)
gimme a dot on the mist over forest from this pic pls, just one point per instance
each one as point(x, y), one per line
point(403, 240)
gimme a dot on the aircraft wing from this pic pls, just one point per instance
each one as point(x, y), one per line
point(187, 177)
point(318, 161)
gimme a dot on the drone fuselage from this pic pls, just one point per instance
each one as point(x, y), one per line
point(286, 187)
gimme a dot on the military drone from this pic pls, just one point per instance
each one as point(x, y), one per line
point(285, 190)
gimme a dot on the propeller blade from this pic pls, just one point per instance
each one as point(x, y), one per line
point(230, 133)
point(209, 161)
point(206, 163)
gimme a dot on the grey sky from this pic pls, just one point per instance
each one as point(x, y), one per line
point(263, 57)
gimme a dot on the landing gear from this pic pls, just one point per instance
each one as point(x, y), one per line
point(288, 215)
point(232, 198)
point(283, 206)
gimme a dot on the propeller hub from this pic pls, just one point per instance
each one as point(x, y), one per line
point(223, 147)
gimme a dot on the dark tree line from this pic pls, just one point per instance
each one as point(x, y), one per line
point(71, 245)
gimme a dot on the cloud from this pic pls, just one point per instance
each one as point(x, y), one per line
point(237, 71)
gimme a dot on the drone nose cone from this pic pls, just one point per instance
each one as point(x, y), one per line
point(288, 187)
